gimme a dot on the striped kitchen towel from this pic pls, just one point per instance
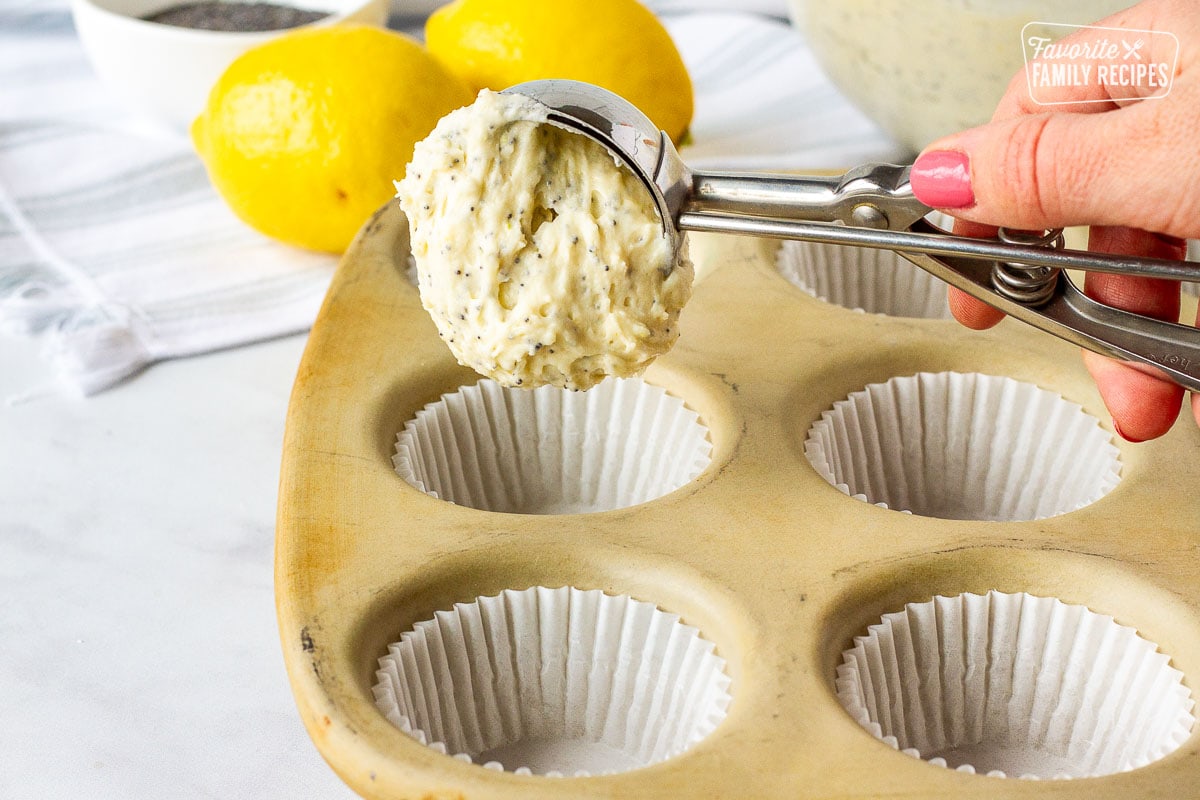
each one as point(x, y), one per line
point(115, 251)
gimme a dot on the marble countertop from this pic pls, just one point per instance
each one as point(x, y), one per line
point(139, 656)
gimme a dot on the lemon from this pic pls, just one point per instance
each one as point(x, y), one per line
point(303, 135)
point(617, 44)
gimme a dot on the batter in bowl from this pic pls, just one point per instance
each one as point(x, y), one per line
point(541, 259)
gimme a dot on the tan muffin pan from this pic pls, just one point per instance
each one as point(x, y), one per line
point(812, 553)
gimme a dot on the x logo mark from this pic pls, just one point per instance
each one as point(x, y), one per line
point(1131, 51)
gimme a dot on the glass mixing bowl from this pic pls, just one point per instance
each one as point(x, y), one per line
point(926, 68)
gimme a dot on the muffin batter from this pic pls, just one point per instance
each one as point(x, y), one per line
point(540, 258)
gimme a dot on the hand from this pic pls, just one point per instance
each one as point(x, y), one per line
point(1129, 168)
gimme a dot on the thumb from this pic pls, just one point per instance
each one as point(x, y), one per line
point(1054, 170)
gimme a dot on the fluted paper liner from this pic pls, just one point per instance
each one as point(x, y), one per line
point(964, 446)
point(553, 451)
point(1193, 254)
point(554, 682)
point(858, 278)
point(1013, 685)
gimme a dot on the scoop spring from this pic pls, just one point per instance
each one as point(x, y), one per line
point(1031, 285)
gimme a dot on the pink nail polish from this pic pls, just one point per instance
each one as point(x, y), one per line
point(942, 179)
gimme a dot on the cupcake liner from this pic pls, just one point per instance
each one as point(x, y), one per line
point(550, 450)
point(861, 279)
point(1015, 685)
point(964, 446)
point(410, 269)
point(1193, 254)
point(554, 682)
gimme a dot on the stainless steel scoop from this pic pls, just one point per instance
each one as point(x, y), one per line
point(873, 206)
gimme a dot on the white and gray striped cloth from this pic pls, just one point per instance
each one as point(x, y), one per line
point(115, 252)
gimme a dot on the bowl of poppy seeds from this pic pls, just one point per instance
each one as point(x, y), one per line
point(163, 56)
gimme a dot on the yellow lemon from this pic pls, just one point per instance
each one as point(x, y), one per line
point(303, 135)
point(617, 44)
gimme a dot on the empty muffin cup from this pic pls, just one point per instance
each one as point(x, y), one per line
point(964, 446)
point(554, 682)
point(551, 450)
point(861, 279)
point(1013, 685)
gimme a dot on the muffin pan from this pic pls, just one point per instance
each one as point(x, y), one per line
point(673, 599)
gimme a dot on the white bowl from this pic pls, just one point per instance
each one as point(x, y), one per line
point(922, 69)
point(167, 71)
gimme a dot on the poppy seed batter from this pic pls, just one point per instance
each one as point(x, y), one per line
point(540, 258)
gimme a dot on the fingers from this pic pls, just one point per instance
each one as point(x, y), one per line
point(1054, 170)
point(1149, 33)
point(972, 313)
point(1093, 157)
point(1143, 406)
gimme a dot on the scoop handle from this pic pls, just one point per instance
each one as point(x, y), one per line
point(875, 207)
point(1167, 349)
point(874, 196)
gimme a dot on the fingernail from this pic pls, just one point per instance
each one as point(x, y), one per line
point(1125, 436)
point(942, 179)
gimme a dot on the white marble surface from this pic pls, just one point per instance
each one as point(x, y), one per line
point(139, 656)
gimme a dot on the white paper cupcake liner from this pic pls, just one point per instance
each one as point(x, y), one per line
point(410, 269)
point(553, 451)
point(964, 446)
point(1015, 685)
point(874, 281)
point(554, 682)
point(1193, 254)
